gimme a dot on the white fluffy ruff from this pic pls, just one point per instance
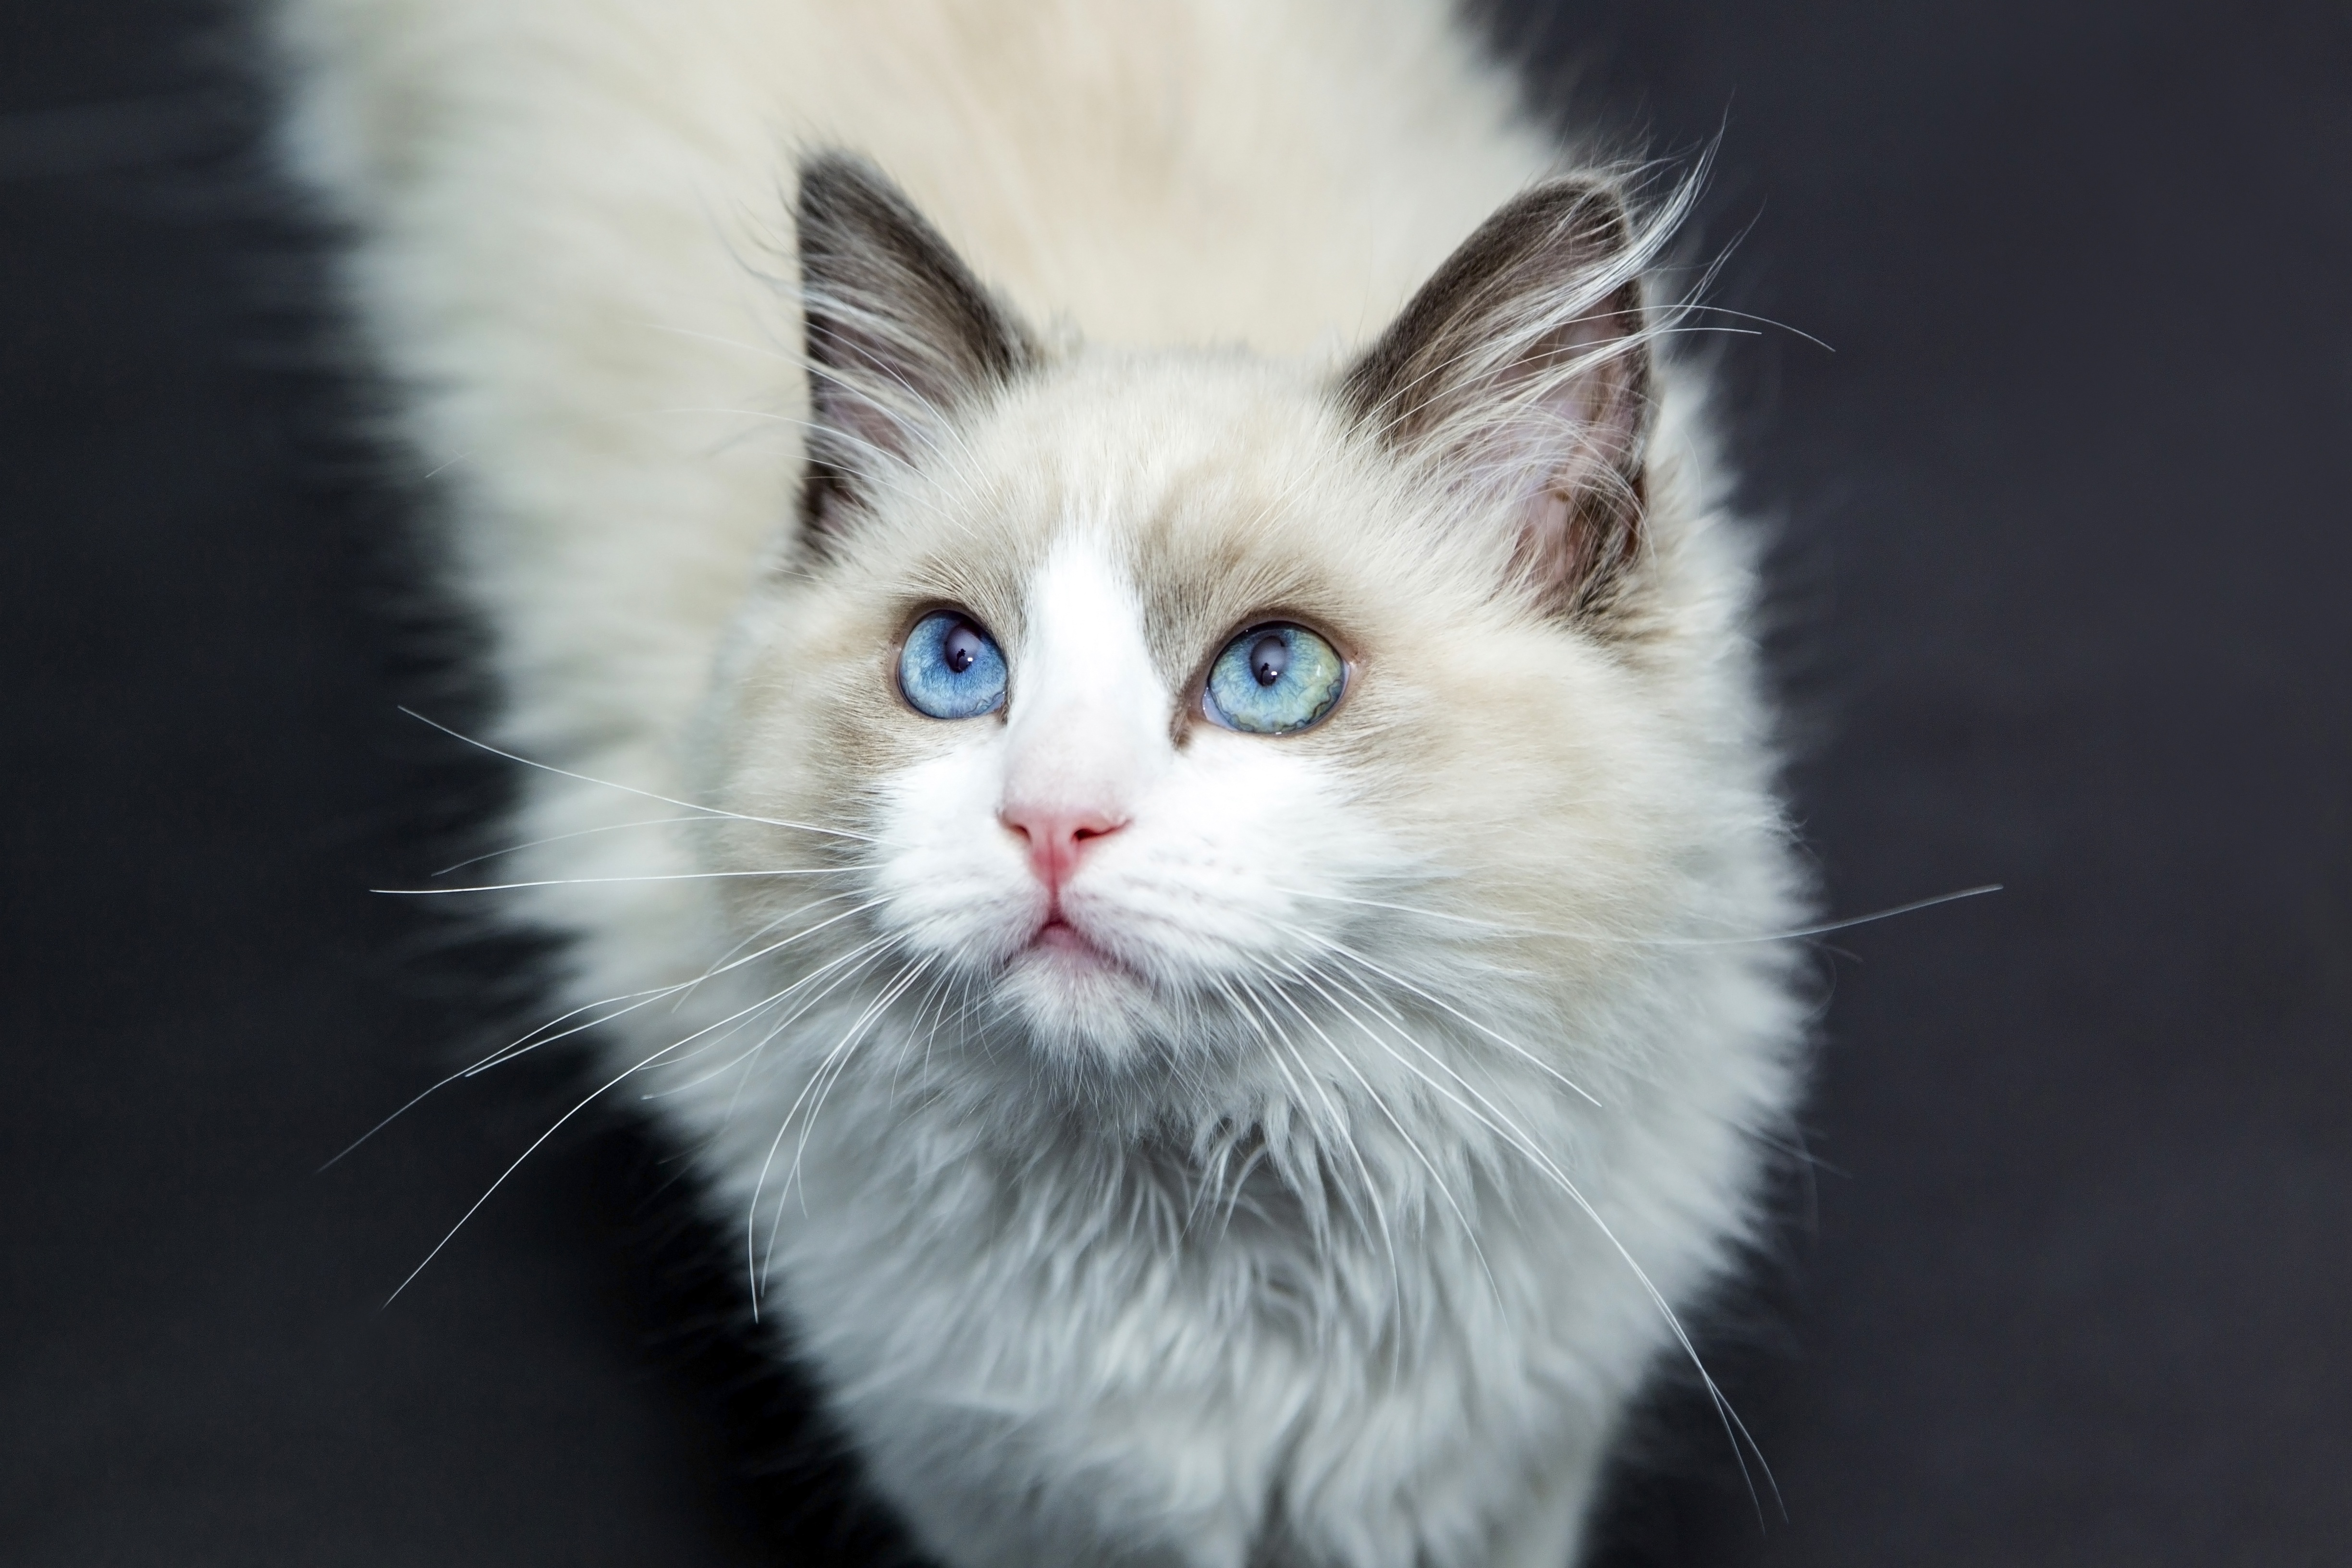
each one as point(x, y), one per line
point(1332, 1219)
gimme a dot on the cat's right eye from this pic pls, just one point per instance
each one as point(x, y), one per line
point(1274, 679)
point(950, 668)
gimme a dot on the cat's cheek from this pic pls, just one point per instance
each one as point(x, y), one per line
point(951, 880)
point(1238, 863)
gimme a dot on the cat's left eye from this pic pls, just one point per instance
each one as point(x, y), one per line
point(1274, 679)
point(950, 668)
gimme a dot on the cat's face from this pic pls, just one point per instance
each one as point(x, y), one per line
point(1153, 694)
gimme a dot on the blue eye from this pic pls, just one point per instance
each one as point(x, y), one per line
point(1274, 679)
point(950, 668)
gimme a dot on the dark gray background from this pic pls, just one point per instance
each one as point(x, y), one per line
point(2063, 581)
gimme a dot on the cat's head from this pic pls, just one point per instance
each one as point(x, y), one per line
point(1159, 701)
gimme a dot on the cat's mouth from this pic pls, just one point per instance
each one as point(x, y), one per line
point(1061, 935)
point(1059, 941)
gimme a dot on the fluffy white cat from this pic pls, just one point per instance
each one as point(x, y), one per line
point(1196, 907)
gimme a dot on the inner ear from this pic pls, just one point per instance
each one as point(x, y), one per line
point(1521, 372)
point(901, 338)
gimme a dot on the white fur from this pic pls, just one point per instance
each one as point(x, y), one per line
point(1335, 1216)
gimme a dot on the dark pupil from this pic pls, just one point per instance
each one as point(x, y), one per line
point(961, 648)
point(1269, 657)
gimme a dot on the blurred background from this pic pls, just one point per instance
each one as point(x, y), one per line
point(2062, 586)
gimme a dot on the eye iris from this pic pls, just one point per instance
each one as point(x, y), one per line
point(950, 668)
point(1275, 681)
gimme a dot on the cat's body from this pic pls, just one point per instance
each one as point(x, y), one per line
point(1171, 1140)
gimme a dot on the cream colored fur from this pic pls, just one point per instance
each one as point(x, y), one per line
point(1337, 1226)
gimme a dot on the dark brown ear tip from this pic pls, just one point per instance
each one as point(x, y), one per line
point(828, 173)
point(1561, 192)
point(1583, 210)
point(824, 166)
point(839, 188)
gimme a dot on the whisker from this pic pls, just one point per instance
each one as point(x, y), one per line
point(1529, 1057)
point(593, 881)
point(632, 789)
point(639, 1066)
point(755, 1279)
point(1370, 1191)
point(560, 838)
point(539, 1036)
point(1848, 924)
point(742, 1019)
point(1517, 1138)
point(838, 1060)
point(774, 1027)
point(867, 955)
point(680, 988)
point(1469, 1231)
point(504, 1053)
point(736, 1018)
point(849, 964)
point(1616, 939)
point(1766, 320)
point(535, 1143)
point(721, 965)
point(934, 1004)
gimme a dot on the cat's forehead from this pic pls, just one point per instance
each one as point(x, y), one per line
point(1202, 492)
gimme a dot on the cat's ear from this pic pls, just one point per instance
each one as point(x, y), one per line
point(900, 335)
point(1522, 370)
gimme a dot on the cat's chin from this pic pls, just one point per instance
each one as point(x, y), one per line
point(1078, 1001)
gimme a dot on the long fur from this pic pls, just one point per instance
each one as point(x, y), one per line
point(1334, 1215)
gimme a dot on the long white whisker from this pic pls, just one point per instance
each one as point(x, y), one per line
point(520, 1046)
point(1519, 1140)
point(594, 881)
point(866, 955)
point(838, 1060)
point(627, 1073)
point(1618, 940)
point(539, 1036)
point(560, 838)
point(1469, 1231)
point(632, 789)
point(778, 1026)
point(934, 1006)
point(651, 997)
point(1847, 924)
point(1514, 1047)
point(1371, 1189)
point(744, 1018)
point(1766, 320)
point(751, 1219)
point(725, 961)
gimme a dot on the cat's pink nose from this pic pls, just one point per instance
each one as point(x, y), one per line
point(1057, 836)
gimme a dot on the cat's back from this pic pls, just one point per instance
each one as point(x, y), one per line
point(1279, 172)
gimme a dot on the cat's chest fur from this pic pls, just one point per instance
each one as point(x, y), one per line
point(1180, 1341)
point(1147, 743)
